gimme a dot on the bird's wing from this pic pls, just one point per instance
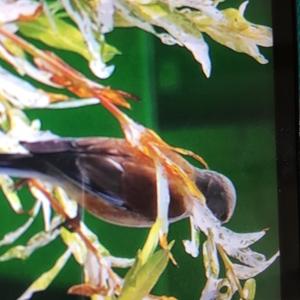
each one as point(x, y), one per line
point(88, 145)
point(109, 168)
point(102, 166)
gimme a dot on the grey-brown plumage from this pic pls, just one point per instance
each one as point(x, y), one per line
point(112, 182)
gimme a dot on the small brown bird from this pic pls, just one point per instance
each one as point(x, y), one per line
point(106, 177)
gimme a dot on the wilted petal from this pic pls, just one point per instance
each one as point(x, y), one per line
point(8, 188)
point(38, 241)
point(119, 262)
point(163, 197)
point(248, 257)
point(75, 244)
point(13, 10)
point(11, 237)
point(192, 246)
point(24, 67)
point(229, 290)
point(179, 28)
point(125, 18)
point(21, 93)
point(10, 144)
point(92, 270)
point(105, 15)
point(198, 47)
point(210, 291)
point(71, 103)
point(249, 289)
point(230, 240)
point(46, 206)
point(210, 258)
point(235, 32)
point(94, 239)
point(85, 25)
point(213, 290)
point(70, 207)
point(245, 272)
point(46, 279)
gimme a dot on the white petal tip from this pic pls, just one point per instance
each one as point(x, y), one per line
point(101, 70)
point(243, 7)
point(191, 248)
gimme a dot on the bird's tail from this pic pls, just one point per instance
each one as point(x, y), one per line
point(21, 165)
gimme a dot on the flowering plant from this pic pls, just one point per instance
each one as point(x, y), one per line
point(81, 27)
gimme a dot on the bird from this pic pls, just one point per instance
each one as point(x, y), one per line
point(112, 181)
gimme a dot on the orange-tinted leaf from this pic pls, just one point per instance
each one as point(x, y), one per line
point(86, 289)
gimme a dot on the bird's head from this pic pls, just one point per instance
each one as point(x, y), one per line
point(219, 193)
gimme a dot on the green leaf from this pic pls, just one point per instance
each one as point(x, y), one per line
point(63, 35)
point(141, 282)
point(151, 242)
point(108, 52)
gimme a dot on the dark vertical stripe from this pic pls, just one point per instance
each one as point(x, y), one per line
point(287, 117)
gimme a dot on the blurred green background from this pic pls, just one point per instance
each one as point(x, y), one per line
point(228, 119)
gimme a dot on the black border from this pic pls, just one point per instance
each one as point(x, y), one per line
point(287, 143)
